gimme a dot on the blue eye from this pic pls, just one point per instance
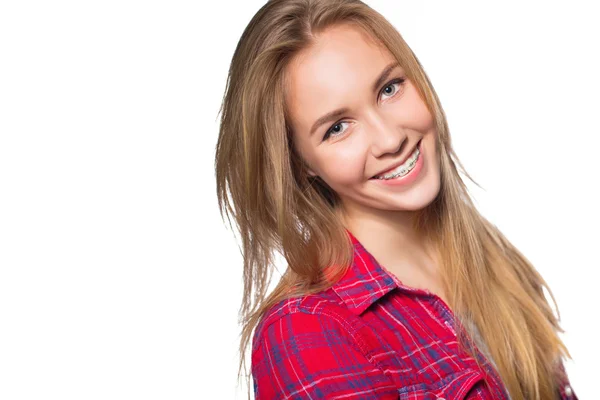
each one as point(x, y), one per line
point(333, 131)
point(392, 83)
point(336, 132)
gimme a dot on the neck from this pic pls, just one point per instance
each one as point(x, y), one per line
point(389, 237)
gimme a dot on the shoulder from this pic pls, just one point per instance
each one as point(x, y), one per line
point(314, 307)
point(309, 346)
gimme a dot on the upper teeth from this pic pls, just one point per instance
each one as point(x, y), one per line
point(403, 169)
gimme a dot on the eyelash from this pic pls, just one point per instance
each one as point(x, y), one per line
point(392, 82)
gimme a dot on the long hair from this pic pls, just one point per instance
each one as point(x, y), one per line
point(263, 183)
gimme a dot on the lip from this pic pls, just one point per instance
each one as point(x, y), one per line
point(398, 163)
point(407, 180)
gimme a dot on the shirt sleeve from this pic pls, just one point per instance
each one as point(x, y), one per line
point(311, 356)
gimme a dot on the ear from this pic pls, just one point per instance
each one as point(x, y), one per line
point(311, 173)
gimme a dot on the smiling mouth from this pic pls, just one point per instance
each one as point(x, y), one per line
point(403, 168)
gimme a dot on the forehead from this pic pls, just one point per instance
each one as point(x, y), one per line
point(338, 68)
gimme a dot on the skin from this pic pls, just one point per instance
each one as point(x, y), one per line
point(380, 129)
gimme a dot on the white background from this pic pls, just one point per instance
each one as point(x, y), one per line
point(119, 280)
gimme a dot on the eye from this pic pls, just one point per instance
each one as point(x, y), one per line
point(397, 81)
point(334, 130)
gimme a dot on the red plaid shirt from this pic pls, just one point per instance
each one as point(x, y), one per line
point(369, 337)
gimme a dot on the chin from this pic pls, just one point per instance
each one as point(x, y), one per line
point(412, 201)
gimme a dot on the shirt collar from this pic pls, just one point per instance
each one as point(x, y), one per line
point(365, 282)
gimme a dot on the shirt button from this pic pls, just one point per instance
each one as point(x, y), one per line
point(568, 390)
point(440, 398)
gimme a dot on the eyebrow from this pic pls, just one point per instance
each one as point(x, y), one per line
point(339, 112)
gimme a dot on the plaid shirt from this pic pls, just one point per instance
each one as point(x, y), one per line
point(369, 337)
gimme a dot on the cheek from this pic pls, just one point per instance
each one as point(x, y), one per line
point(423, 119)
point(414, 113)
point(343, 165)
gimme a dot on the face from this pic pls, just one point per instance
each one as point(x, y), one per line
point(381, 121)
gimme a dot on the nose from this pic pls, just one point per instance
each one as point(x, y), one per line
point(386, 138)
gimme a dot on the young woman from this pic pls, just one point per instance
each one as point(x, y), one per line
point(334, 151)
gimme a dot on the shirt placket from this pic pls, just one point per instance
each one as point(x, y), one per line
point(446, 314)
point(450, 321)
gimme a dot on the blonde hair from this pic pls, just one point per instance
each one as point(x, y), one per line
point(263, 184)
